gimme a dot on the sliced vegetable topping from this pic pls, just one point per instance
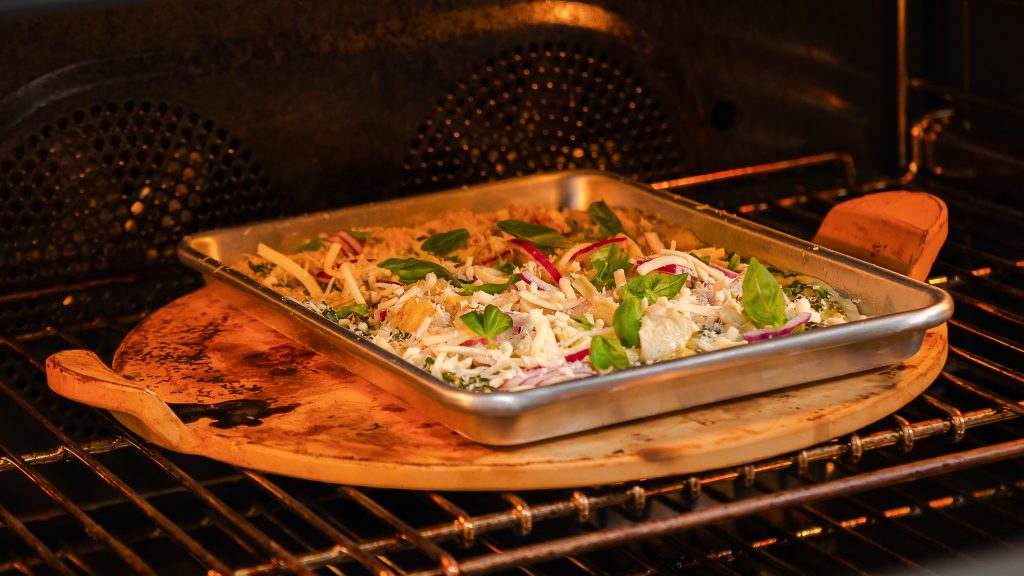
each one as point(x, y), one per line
point(655, 285)
point(605, 219)
point(309, 246)
point(539, 257)
point(626, 320)
point(606, 260)
point(446, 242)
point(607, 353)
point(588, 249)
point(762, 296)
point(536, 234)
point(489, 323)
point(412, 270)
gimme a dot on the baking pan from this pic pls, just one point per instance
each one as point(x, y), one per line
point(900, 311)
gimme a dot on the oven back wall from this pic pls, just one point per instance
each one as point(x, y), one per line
point(342, 102)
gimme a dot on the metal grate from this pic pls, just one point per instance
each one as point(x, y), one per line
point(544, 107)
point(118, 505)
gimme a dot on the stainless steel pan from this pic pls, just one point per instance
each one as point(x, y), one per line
point(900, 311)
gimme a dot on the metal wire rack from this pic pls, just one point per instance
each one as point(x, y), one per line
point(116, 504)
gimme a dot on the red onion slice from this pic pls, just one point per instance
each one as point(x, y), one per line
point(474, 342)
point(538, 376)
point(797, 321)
point(349, 242)
point(728, 273)
point(323, 276)
point(578, 356)
point(538, 256)
point(529, 278)
point(591, 247)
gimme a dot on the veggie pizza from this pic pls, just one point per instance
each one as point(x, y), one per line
point(527, 296)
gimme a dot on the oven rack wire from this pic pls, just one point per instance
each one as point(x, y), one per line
point(515, 530)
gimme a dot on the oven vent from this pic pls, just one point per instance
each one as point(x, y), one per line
point(539, 108)
point(111, 188)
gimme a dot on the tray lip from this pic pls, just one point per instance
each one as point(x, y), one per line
point(504, 403)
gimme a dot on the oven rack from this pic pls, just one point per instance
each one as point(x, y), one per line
point(464, 531)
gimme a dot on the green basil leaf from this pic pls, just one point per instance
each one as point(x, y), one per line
point(605, 219)
point(506, 266)
point(412, 270)
point(489, 323)
point(762, 296)
point(539, 236)
point(352, 310)
point(311, 245)
point(587, 324)
point(360, 235)
point(626, 321)
point(468, 289)
point(607, 353)
point(655, 285)
point(606, 260)
point(704, 259)
point(445, 242)
point(734, 262)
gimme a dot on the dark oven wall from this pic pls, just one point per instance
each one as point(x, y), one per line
point(126, 125)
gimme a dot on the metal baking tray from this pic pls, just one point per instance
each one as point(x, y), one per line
point(900, 311)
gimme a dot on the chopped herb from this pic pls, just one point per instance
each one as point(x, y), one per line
point(490, 323)
point(412, 270)
point(309, 246)
point(734, 262)
point(446, 242)
point(330, 314)
point(607, 353)
point(468, 289)
point(429, 361)
point(261, 268)
point(605, 219)
point(587, 324)
point(536, 234)
point(506, 266)
point(763, 300)
point(606, 260)
point(655, 285)
point(352, 310)
point(626, 320)
point(704, 259)
point(360, 234)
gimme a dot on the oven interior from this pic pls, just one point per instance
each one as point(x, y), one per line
point(124, 126)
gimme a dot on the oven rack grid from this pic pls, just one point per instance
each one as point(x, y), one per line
point(469, 541)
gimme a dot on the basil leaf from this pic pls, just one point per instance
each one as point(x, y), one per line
point(360, 235)
point(626, 320)
point(587, 324)
point(506, 266)
point(606, 260)
point(445, 242)
point(330, 314)
point(352, 310)
point(762, 296)
point(607, 353)
point(605, 219)
point(412, 270)
point(655, 285)
point(489, 323)
point(468, 289)
point(704, 259)
point(734, 262)
point(311, 245)
point(539, 236)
